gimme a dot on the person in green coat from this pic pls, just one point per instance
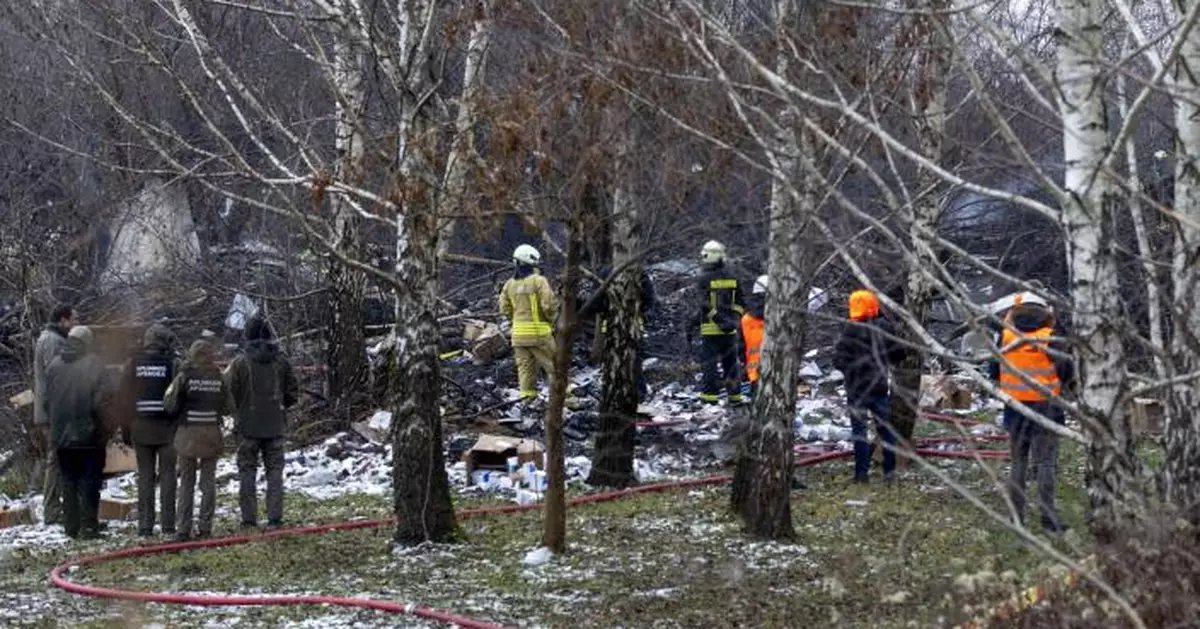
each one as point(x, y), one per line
point(78, 394)
point(199, 398)
point(262, 385)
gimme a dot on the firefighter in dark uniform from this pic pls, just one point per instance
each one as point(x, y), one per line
point(148, 376)
point(718, 318)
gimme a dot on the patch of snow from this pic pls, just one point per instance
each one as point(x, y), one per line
point(381, 420)
point(538, 556)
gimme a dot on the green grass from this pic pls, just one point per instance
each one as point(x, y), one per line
point(671, 560)
point(674, 559)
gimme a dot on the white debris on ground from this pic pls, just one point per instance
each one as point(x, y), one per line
point(681, 446)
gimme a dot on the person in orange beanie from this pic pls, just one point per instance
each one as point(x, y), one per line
point(864, 354)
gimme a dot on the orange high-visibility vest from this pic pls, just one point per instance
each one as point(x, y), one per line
point(1026, 353)
point(752, 332)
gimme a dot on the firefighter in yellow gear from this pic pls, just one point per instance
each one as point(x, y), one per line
point(530, 305)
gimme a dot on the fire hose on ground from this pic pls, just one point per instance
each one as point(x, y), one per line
point(58, 574)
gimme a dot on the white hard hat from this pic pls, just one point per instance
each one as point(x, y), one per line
point(760, 285)
point(526, 254)
point(713, 251)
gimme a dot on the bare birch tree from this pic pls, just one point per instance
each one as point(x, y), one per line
point(1183, 427)
point(930, 37)
point(259, 149)
point(347, 358)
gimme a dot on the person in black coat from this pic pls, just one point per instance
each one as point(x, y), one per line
point(864, 354)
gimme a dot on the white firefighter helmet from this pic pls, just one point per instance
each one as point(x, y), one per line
point(526, 254)
point(760, 285)
point(712, 252)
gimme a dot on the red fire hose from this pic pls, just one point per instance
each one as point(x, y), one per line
point(57, 575)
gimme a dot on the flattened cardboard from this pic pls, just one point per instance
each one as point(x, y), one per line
point(119, 459)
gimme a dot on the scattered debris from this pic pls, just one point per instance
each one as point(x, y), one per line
point(946, 392)
point(119, 459)
point(538, 556)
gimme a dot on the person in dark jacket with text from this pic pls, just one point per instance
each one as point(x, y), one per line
point(262, 386)
point(147, 377)
point(78, 391)
point(199, 398)
point(864, 354)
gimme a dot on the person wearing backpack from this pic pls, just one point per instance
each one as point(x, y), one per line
point(718, 317)
point(262, 386)
point(147, 376)
point(199, 397)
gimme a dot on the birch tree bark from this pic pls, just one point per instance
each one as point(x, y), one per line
point(612, 463)
point(346, 351)
point(1133, 197)
point(1182, 465)
point(454, 197)
point(1088, 217)
point(424, 511)
point(934, 57)
point(761, 491)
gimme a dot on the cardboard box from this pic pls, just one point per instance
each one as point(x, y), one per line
point(946, 393)
point(491, 452)
point(1147, 417)
point(120, 459)
point(15, 516)
point(473, 329)
point(489, 345)
point(116, 509)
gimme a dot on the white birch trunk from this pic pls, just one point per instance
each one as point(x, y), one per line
point(1133, 183)
point(1088, 219)
point(453, 199)
point(761, 491)
point(347, 360)
point(932, 64)
point(421, 490)
point(1182, 469)
point(612, 463)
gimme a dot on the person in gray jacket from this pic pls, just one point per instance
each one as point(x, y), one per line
point(147, 377)
point(262, 385)
point(78, 398)
point(199, 398)
point(51, 341)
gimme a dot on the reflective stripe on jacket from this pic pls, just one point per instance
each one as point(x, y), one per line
point(752, 334)
point(530, 304)
point(723, 306)
point(1026, 353)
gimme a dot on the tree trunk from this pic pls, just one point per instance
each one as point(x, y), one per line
point(346, 349)
point(421, 490)
point(933, 61)
point(463, 155)
point(1146, 252)
point(762, 481)
point(554, 529)
point(1182, 466)
point(612, 462)
point(1088, 216)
